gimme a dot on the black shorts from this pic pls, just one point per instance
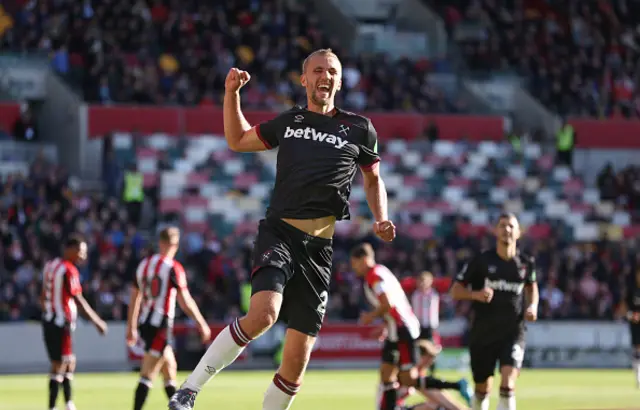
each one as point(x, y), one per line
point(634, 330)
point(403, 353)
point(302, 272)
point(155, 338)
point(484, 357)
point(58, 342)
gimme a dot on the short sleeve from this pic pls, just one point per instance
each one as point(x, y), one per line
point(470, 273)
point(531, 272)
point(269, 131)
point(178, 276)
point(369, 150)
point(375, 283)
point(72, 277)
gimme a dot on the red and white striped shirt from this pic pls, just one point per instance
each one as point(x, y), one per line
point(380, 280)
point(426, 306)
point(158, 278)
point(61, 282)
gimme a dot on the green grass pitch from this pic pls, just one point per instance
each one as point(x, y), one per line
point(334, 390)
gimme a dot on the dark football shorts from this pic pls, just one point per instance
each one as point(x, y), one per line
point(58, 342)
point(298, 265)
point(155, 338)
point(404, 352)
point(485, 356)
point(634, 330)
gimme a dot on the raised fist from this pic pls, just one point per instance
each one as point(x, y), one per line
point(236, 79)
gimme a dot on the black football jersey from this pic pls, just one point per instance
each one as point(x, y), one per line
point(504, 315)
point(318, 158)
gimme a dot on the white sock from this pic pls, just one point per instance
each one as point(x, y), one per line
point(636, 370)
point(224, 350)
point(279, 394)
point(481, 403)
point(507, 400)
point(379, 395)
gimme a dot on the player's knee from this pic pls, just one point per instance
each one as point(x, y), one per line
point(482, 390)
point(57, 367)
point(263, 313)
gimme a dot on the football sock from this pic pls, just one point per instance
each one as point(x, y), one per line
point(636, 366)
point(429, 382)
point(279, 394)
point(389, 396)
point(224, 350)
point(141, 393)
point(507, 399)
point(480, 401)
point(170, 388)
point(54, 386)
point(66, 387)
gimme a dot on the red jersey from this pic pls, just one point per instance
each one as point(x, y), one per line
point(61, 283)
point(380, 280)
point(159, 278)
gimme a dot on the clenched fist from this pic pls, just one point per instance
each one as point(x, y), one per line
point(235, 80)
point(385, 230)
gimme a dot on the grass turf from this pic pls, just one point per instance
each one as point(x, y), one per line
point(335, 390)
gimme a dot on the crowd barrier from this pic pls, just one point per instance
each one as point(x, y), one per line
point(585, 344)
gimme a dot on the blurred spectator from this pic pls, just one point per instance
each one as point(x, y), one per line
point(168, 52)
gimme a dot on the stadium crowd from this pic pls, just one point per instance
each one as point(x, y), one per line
point(578, 280)
point(579, 56)
point(169, 52)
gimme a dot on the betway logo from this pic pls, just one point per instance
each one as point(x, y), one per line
point(505, 286)
point(315, 135)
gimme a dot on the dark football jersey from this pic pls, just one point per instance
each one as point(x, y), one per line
point(317, 160)
point(504, 315)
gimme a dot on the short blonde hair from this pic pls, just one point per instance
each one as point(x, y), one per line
point(319, 52)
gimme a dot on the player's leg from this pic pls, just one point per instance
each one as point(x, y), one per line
point(53, 342)
point(483, 364)
point(66, 382)
point(441, 400)
point(267, 287)
point(169, 371)
point(155, 344)
point(511, 359)
point(387, 398)
point(411, 359)
point(635, 344)
point(287, 381)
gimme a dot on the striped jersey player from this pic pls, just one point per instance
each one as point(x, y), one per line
point(61, 299)
point(160, 281)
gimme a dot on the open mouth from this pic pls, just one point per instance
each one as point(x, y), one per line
point(324, 89)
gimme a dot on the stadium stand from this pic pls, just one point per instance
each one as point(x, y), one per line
point(179, 53)
point(578, 56)
point(443, 194)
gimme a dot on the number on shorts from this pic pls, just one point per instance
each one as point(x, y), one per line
point(324, 298)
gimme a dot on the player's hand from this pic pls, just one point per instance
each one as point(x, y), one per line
point(132, 337)
point(379, 333)
point(531, 314)
point(101, 325)
point(634, 317)
point(235, 80)
point(367, 318)
point(205, 333)
point(484, 296)
point(385, 230)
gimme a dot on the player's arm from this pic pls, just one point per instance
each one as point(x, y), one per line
point(75, 290)
point(186, 302)
point(135, 299)
point(378, 287)
point(531, 292)
point(240, 135)
point(374, 187)
point(461, 290)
